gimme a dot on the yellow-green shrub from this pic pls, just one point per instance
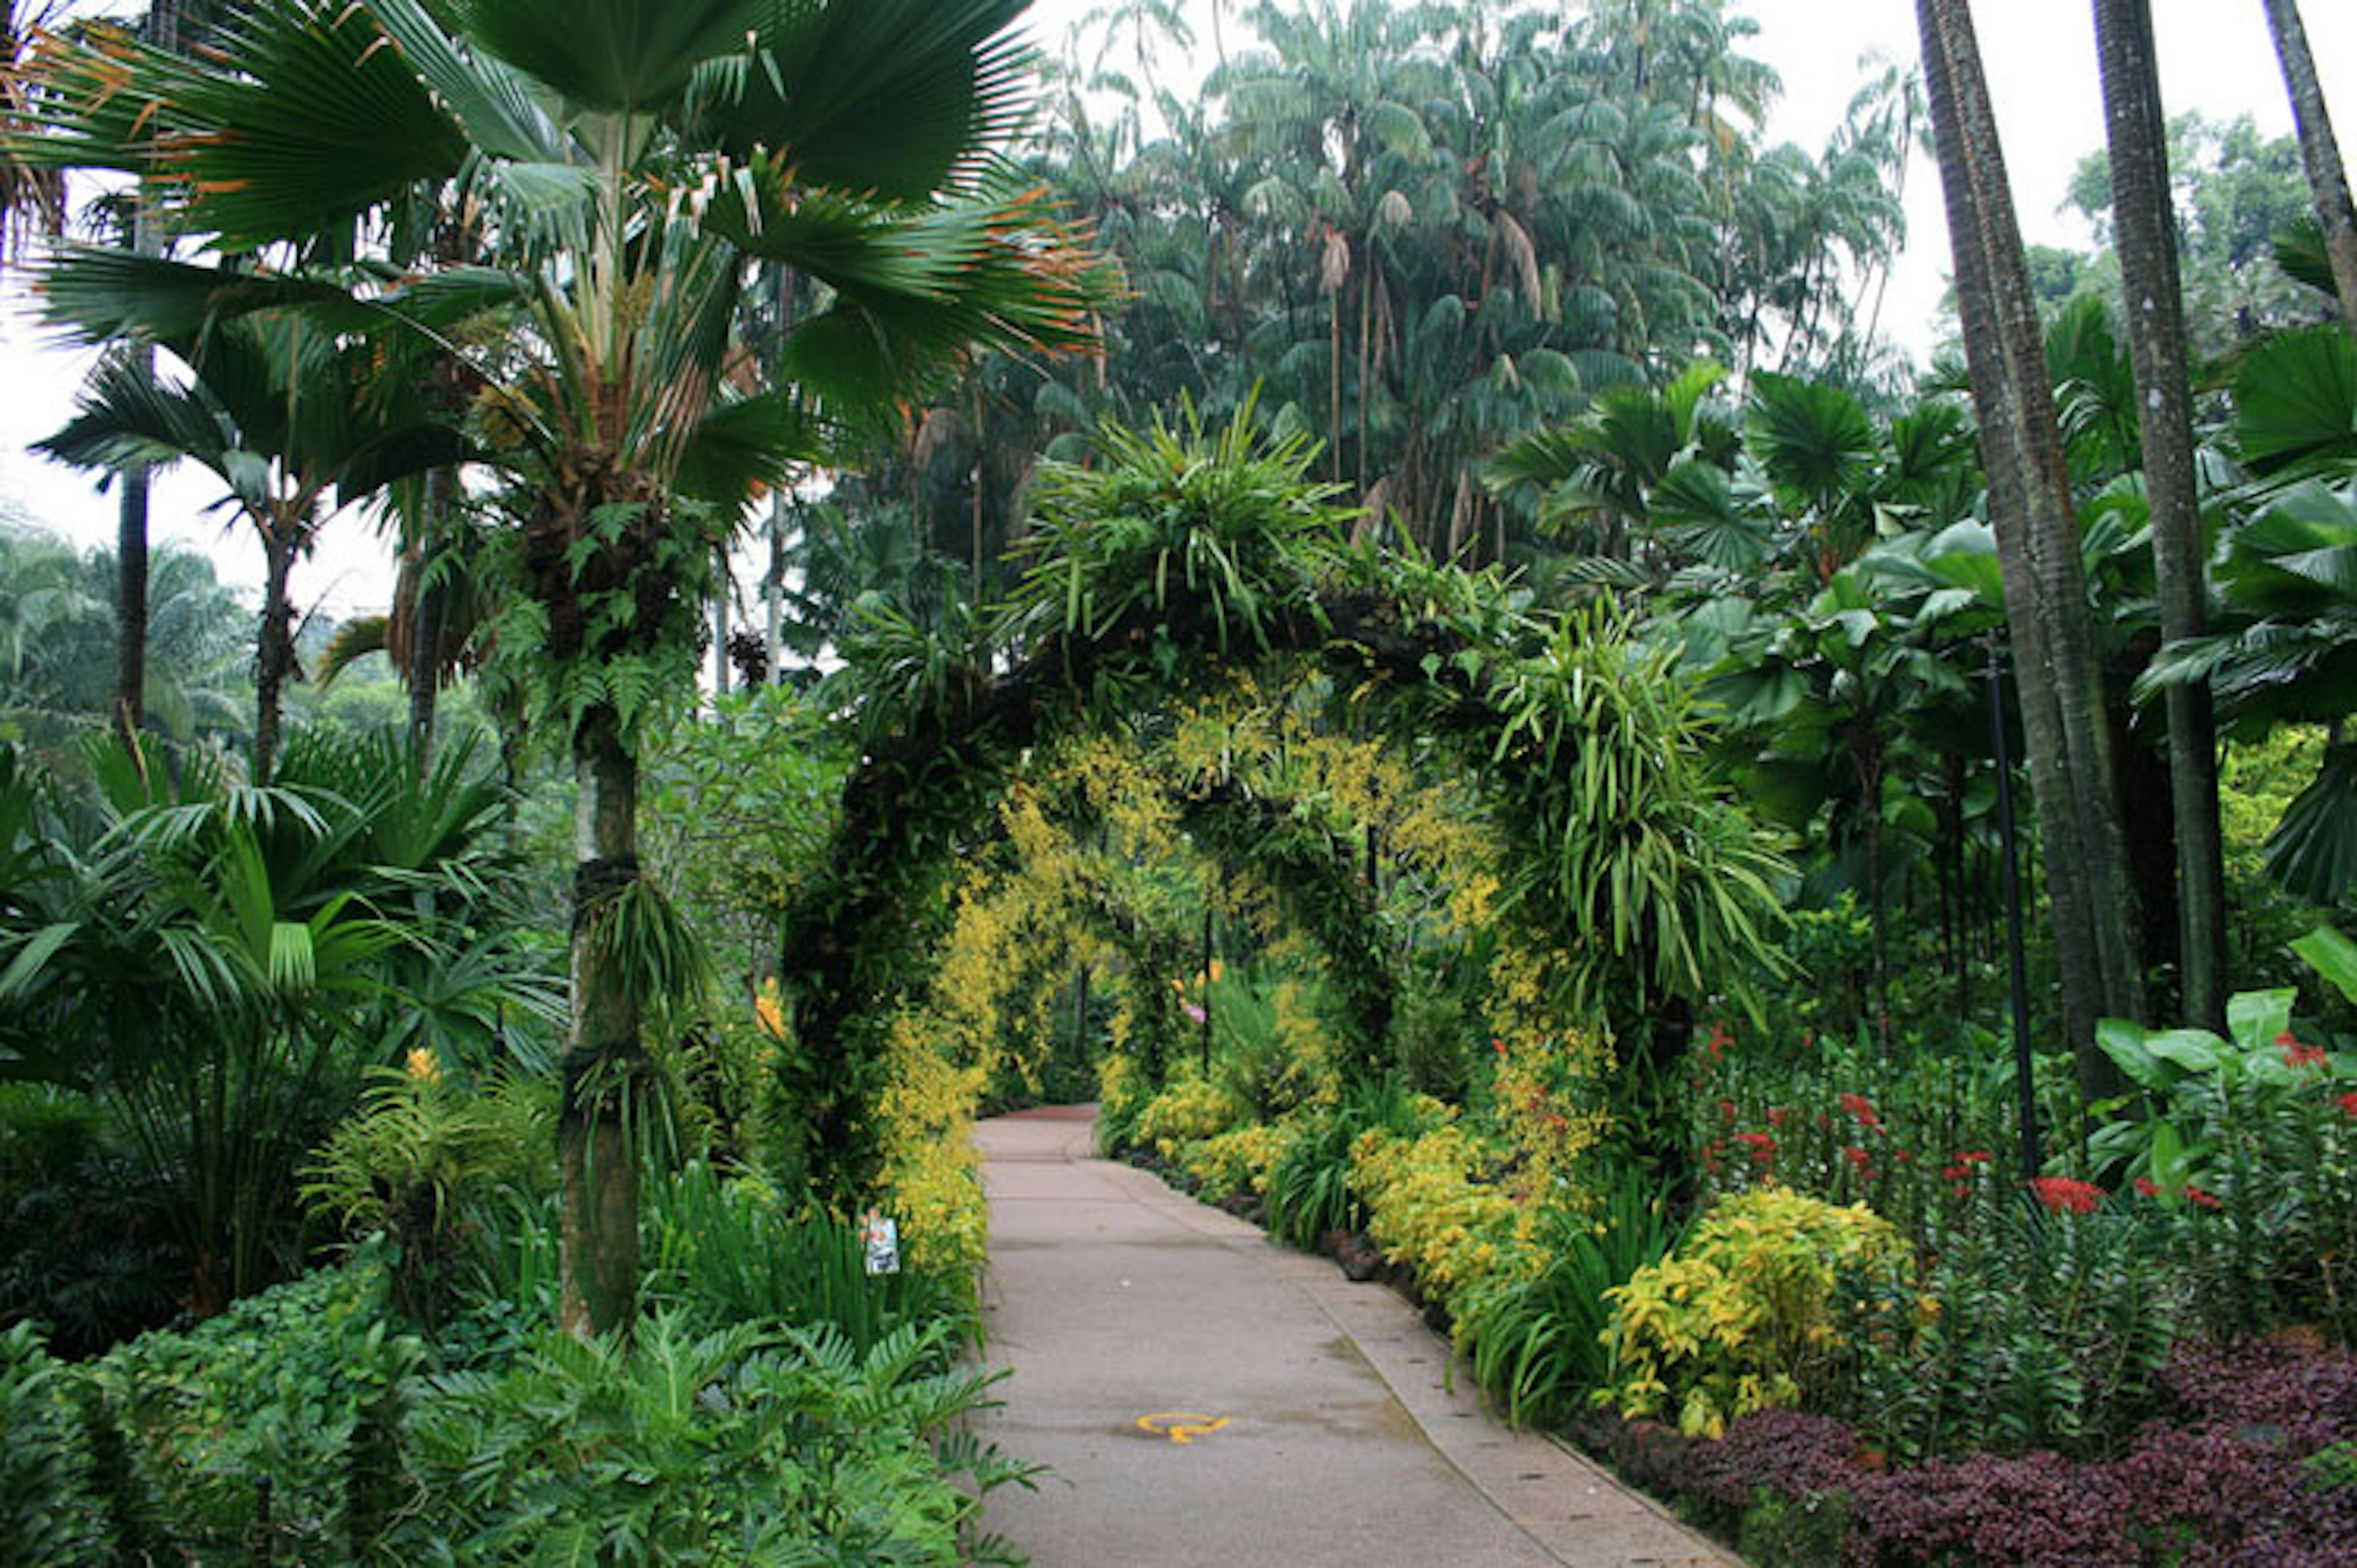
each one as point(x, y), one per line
point(1187, 1111)
point(1756, 1303)
point(1238, 1160)
point(1427, 1209)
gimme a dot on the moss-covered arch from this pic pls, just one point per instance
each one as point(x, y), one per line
point(1185, 559)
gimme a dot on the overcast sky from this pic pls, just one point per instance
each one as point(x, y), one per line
point(2215, 57)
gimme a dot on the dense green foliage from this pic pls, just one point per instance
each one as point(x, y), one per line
point(1463, 715)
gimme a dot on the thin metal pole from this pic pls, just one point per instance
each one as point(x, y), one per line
point(2024, 1083)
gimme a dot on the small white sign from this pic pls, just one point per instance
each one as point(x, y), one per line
point(881, 1237)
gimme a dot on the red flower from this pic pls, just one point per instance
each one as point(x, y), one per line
point(2148, 1187)
point(2063, 1195)
point(1858, 1106)
point(1905, 1156)
point(2297, 1054)
point(1858, 1158)
point(2206, 1199)
point(1719, 1039)
point(1776, 1115)
point(2348, 1103)
point(1762, 1146)
point(1498, 1046)
point(1727, 1111)
point(1959, 1171)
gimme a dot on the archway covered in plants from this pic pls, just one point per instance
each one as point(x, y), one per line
point(1181, 562)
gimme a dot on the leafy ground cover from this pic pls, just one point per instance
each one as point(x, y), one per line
point(779, 1406)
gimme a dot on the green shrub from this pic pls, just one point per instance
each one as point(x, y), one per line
point(1432, 1209)
point(1764, 1301)
point(404, 1166)
point(2048, 1331)
point(752, 1444)
point(296, 1387)
point(85, 1248)
point(727, 1251)
point(1537, 1343)
point(49, 1512)
point(1186, 1110)
point(1310, 1191)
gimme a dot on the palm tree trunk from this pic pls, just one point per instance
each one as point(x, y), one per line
point(2029, 506)
point(273, 653)
point(721, 584)
point(1366, 355)
point(1334, 389)
point(2147, 241)
point(425, 652)
point(2318, 151)
point(131, 513)
point(773, 594)
point(598, 1246)
point(131, 591)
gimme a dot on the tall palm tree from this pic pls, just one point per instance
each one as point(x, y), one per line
point(634, 159)
point(286, 418)
point(2144, 223)
point(2059, 679)
point(2318, 151)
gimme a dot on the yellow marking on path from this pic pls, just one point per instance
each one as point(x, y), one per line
point(1180, 1425)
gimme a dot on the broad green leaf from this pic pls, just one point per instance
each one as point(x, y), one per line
point(2253, 1018)
point(612, 55)
point(2123, 1041)
point(2331, 955)
point(2195, 1050)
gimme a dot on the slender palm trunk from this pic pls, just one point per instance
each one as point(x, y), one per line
point(1334, 389)
point(721, 587)
point(273, 653)
point(598, 1242)
point(427, 616)
point(131, 513)
point(2318, 151)
point(2143, 221)
point(2029, 505)
point(131, 591)
point(773, 594)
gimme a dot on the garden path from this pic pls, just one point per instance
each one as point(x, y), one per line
point(1204, 1396)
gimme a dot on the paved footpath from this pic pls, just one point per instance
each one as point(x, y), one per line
point(1291, 1418)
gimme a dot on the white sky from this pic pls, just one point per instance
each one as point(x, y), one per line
point(2215, 57)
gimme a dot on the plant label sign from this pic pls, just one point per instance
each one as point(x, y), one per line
point(880, 1235)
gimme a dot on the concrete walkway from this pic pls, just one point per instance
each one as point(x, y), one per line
point(1205, 1397)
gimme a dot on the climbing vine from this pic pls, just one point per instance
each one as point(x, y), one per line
point(1196, 585)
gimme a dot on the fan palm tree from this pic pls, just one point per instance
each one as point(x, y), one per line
point(633, 158)
point(2290, 580)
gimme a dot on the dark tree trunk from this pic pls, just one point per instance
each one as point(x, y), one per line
point(2147, 812)
point(130, 599)
point(274, 653)
point(2319, 152)
point(604, 1062)
point(427, 617)
point(131, 514)
point(2059, 682)
point(2144, 222)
